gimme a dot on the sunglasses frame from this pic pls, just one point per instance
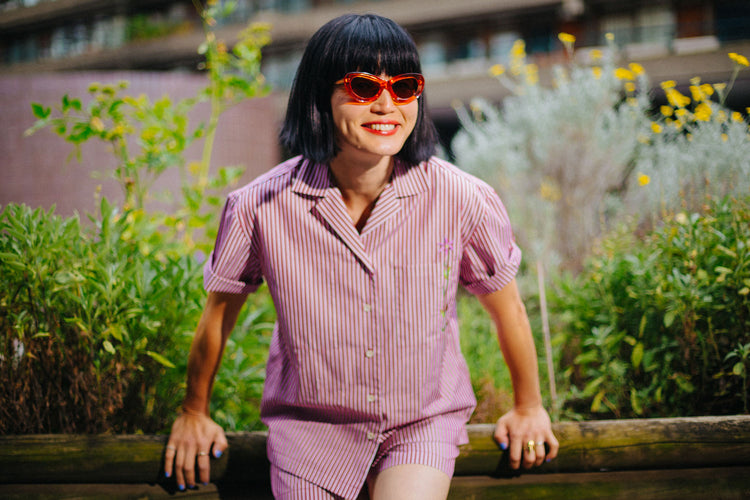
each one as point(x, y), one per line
point(384, 84)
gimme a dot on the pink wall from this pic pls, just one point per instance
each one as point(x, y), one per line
point(34, 170)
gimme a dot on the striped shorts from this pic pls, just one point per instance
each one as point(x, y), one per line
point(441, 456)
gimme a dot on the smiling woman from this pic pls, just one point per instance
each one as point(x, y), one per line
point(363, 239)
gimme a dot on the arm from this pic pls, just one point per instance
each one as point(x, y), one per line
point(528, 420)
point(194, 434)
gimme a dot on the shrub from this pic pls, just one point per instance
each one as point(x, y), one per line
point(96, 319)
point(660, 326)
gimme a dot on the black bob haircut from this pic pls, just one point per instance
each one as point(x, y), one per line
point(352, 42)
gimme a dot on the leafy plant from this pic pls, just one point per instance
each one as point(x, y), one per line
point(96, 319)
point(657, 326)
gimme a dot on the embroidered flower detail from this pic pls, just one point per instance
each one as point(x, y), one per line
point(446, 248)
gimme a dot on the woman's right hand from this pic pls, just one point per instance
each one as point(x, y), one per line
point(193, 440)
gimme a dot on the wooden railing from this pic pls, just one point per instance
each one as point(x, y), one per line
point(702, 457)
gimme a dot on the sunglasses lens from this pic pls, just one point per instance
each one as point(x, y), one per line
point(406, 88)
point(364, 87)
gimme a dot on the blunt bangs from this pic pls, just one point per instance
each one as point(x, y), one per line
point(369, 43)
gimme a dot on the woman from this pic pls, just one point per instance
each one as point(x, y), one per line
point(362, 239)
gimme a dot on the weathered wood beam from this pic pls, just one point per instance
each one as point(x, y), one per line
point(585, 447)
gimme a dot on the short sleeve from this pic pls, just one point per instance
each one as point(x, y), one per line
point(233, 266)
point(491, 257)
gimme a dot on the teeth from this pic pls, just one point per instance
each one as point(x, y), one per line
point(382, 127)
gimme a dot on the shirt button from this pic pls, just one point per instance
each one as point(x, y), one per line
point(371, 436)
point(369, 353)
point(367, 308)
point(371, 398)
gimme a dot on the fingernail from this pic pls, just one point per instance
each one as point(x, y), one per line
point(181, 487)
point(548, 460)
point(217, 453)
point(503, 446)
point(167, 474)
point(205, 484)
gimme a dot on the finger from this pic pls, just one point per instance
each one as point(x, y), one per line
point(516, 451)
point(501, 435)
point(553, 446)
point(169, 454)
point(188, 468)
point(204, 467)
point(179, 474)
point(220, 444)
point(529, 454)
point(539, 451)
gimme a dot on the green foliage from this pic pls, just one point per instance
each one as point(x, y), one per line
point(96, 319)
point(660, 326)
point(92, 323)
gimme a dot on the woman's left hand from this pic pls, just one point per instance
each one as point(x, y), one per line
point(526, 431)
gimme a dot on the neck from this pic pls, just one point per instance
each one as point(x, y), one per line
point(361, 179)
point(360, 184)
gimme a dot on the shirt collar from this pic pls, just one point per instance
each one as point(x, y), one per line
point(313, 179)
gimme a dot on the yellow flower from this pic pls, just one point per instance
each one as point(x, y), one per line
point(676, 99)
point(720, 86)
point(703, 112)
point(696, 80)
point(636, 68)
point(532, 74)
point(739, 59)
point(656, 128)
point(707, 89)
point(610, 37)
point(669, 84)
point(630, 87)
point(680, 113)
point(737, 116)
point(549, 190)
point(632, 101)
point(724, 137)
point(747, 110)
point(518, 49)
point(97, 124)
point(643, 179)
point(497, 70)
point(567, 38)
point(596, 54)
point(697, 93)
point(597, 72)
point(623, 74)
point(721, 116)
point(666, 110)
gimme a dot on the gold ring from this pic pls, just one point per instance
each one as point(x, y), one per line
point(530, 446)
point(202, 453)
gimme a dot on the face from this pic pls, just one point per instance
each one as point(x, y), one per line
point(376, 129)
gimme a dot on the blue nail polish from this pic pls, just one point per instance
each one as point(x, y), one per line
point(549, 460)
point(503, 446)
point(217, 453)
point(167, 474)
point(181, 487)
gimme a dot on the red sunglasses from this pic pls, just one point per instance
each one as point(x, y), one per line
point(364, 87)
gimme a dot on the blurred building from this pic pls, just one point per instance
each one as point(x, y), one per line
point(458, 40)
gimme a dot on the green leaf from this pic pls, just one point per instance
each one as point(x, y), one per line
point(738, 369)
point(637, 355)
point(40, 111)
point(108, 347)
point(160, 359)
point(669, 318)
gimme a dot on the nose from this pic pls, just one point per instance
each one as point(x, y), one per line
point(384, 103)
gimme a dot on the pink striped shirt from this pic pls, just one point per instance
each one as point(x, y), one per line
point(366, 340)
